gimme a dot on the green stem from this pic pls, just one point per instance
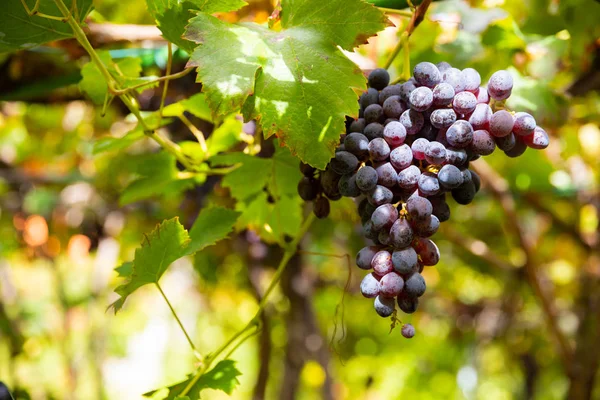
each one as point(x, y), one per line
point(166, 78)
point(287, 256)
point(178, 320)
point(402, 13)
point(166, 85)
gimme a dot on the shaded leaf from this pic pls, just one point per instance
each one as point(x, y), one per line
point(211, 225)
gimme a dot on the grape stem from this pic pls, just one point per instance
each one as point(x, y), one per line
point(210, 358)
point(501, 191)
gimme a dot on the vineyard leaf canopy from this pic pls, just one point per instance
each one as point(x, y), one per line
point(18, 30)
point(172, 16)
point(296, 81)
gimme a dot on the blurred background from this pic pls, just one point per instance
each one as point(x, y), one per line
point(512, 311)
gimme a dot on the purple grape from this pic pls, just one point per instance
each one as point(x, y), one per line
point(394, 134)
point(443, 117)
point(401, 157)
point(391, 285)
point(429, 184)
point(374, 113)
point(379, 78)
point(357, 144)
point(347, 186)
point(384, 216)
point(456, 157)
point(382, 263)
point(465, 193)
point(389, 91)
point(384, 306)
point(308, 188)
point(443, 93)
point(329, 182)
point(344, 162)
point(406, 89)
point(393, 107)
point(428, 132)
point(408, 304)
point(386, 175)
point(370, 286)
point(538, 140)
point(464, 102)
point(405, 261)
point(482, 95)
point(418, 147)
point(505, 143)
point(460, 134)
point(443, 66)
point(366, 178)
point(450, 177)
point(440, 208)
point(472, 79)
point(500, 85)
point(369, 97)
point(321, 207)
point(408, 178)
point(380, 195)
point(519, 147)
point(483, 143)
point(358, 125)
point(480, 117)
point(427, 228)
point(401, 233)
point(453, 76)
point(427, 74)
point(524, 124)
point(368, 230)
point(420, 99)
point(428, 251)
point(419, 208)
point(379, 150)
point(415, 285)
point(384, 237)
point(435, 153)
point(365, 256)
point(408, 331)
point(412, 120)
point(501, 123)
point(373, 130)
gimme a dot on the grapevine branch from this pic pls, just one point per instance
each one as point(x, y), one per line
point(255, 321)
point(500, 190)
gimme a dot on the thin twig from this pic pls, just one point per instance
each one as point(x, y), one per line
point(166, 84)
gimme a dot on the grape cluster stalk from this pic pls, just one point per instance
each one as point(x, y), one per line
point(407, 152)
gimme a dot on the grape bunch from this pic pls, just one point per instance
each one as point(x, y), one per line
point(407, 152)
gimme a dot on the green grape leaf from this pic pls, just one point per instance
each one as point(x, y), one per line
point(124, 270)
point(19, 31)
point(197, 106)
point(222, 377)
point(225, 136)
point(211, 225)
point(266, 192)
point(295, 82)
point(172, 16)
point(165, 244)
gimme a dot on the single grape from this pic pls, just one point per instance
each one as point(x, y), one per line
point(524, 124)
point(408, 331)
point(435, 153)
point(406, 89)
point(347, 186)
point(427, 228)
point(456, 157)
point(480, 117)
point(466, 175)
point(401, 233)
point(443, 66)
point(394, 133)
point(415, 285)
point(366, 178)
point(393, 107)
point(443, 117)
point(369, 97)
point(420, 99)
point(483, 143)
point(427, 74)
point(407, 303)
point(365, 256)
point(374, 113)
point(443, 94)
point(413, 121)
point(384, 216)
point(382, 263)
point(518, 149)
point(429, 184)
point(391, 285)
point(428, 132)
point(505, 143)
point(380, 195)
point(408, 178)
point(418, 148)
point(450, 177)
point(401, 157)
point(384, 306)
point(344, 162)
point(357, 144)
point(501, 123)
point(379, 150)
point(389, 91)
point(368, 230)
point(538, 140)
point(384, 237)
point(465, 193)
point(307, 170)
point(373, 130)
point(441, 209)
point(460, 134)
point(482, 95)
point(308, 188)
point(419, 208)
point(329, 182)
point(405, 261)
point(471, 78)
point(370, 286)
point(454, 77)
point(365, 210)
point(476, 180)
point(500, 85)
point(386, 175)
point(464, 102)
point(358, 125)
point(379, 78)
point(321, 208)
point(428, 251)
